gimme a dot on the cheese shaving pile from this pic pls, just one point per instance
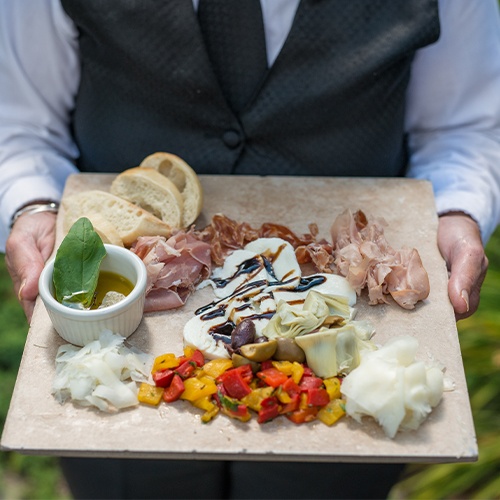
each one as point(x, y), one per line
point(394, 388)
point(103, 373)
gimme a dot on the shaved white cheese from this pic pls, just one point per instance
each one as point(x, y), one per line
point(394, 388)
point(103, 373)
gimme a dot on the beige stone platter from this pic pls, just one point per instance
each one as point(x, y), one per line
point(37, 424)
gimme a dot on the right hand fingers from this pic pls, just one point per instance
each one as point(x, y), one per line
point(29, 245)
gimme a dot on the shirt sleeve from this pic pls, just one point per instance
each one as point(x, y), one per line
point(453, 113)
point(39, 75)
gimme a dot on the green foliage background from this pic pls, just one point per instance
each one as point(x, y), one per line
point(34, 477)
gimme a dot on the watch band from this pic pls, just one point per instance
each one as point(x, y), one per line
point(35, 208)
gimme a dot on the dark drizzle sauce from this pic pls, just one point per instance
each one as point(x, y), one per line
point(308, 282)
point(246, 267)
point(239, 291)
point(266, 315)
point(223, 332)
point(217, 308)
point(269, 268)
point(220, 311)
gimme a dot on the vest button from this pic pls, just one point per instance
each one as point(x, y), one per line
point(231, 138)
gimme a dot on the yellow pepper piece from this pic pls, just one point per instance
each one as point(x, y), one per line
point(255, 398)
point(330, 413)
point(332, 386)
point(204, 403)
point(283, 366)
point(291, 369)
point(194, 388)
point(297, 372)
point(217, 367)
point(188, 351)
point(303, 401)
point(283, 396)
point(164, 362)
point(210, 414)
point(149, 394)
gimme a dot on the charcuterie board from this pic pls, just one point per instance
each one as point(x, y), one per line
point(37, 424)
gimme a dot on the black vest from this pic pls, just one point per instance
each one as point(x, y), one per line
point(333, 103)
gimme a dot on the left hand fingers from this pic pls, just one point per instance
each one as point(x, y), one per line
point(460, 244)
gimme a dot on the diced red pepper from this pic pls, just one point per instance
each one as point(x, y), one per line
point(291, 387)
point(164, 378)
point(186, 369)
point(270, 409)
point(311, 382)
point(317, 397)
point(292, 405)
point(308, 372)
point(246, 372)
point(198, 358)
point(174, 391)
point(303, 415)
point(272, 376)
point(268, 363)
point(234, 382)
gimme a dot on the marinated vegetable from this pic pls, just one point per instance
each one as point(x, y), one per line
point(277, 388)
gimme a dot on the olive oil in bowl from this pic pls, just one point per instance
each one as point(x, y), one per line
point(110, 282)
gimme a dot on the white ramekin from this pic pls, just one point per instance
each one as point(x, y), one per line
point(81, 327)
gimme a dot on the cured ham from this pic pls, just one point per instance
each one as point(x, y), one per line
point(363, 255)
point(359, 251)
point(174, 266)
point(226, 235)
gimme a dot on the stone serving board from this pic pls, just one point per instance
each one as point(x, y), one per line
point(37, 424)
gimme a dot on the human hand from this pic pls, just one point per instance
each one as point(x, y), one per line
point(29, 245)
point(459, 241)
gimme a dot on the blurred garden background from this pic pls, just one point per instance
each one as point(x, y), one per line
point(36, 477)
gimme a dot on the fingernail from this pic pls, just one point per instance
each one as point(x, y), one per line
point(19, 296)
point(465, 297)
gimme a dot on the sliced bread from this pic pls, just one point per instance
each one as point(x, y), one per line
point(184, 177)
point(129, 220)
point(151, 191)
point(103, 227)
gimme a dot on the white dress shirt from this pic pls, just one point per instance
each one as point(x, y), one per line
point(452, 119)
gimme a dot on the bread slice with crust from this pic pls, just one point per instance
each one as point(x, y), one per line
point(105, 229)
point(151, 191)
point(129, 220)
point(185, 179)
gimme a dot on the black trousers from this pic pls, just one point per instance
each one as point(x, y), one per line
point(98, 478)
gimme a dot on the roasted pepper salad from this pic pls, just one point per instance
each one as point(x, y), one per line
point(269, 389)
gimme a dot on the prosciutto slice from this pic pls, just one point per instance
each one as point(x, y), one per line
point(174, 266)
point(226, 235)
point(362, 254)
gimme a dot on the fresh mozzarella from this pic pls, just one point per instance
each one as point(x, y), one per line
point(281, 256)
point(197, 334)
point(333, 285)
point(250, 284)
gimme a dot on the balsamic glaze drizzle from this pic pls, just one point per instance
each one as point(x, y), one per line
point(246, 267)
point(218, 308)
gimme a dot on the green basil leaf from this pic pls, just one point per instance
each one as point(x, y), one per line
point(77, 263)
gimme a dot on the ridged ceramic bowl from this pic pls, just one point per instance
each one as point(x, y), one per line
point(81, 327)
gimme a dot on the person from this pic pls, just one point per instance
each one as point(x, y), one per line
point(348, 88)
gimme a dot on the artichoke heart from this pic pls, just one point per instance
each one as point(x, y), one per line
point(292, 320)
point(332, 351)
